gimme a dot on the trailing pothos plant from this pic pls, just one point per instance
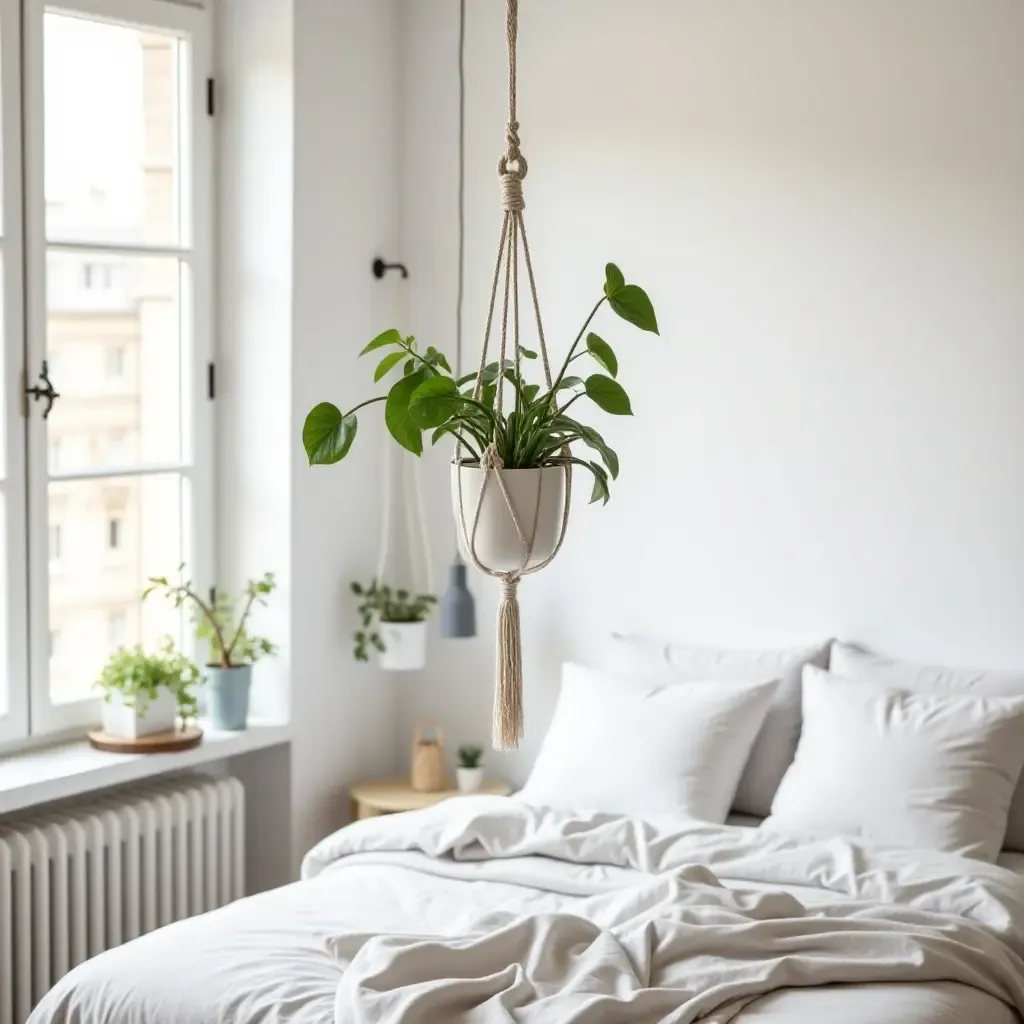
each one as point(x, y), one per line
point(535, 426)
point(380, 603)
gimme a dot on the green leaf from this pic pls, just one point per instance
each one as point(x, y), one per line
point(530, 392)
point(600, 490)
point(434, 402)
point(327, 435)
point(570, 382)
point(410, 365)
point(396, 413)
point(602, 352)
point(389, 361)
point(526, 353)
point(439, 360)
point(632, 304)
point(464, 380)
point(613, 280)
point(594, 440)
point(609, 395)
point(391, 337)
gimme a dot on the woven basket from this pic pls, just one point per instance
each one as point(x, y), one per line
point(427, 774)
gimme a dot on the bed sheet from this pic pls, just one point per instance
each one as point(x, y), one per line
point(274, 957)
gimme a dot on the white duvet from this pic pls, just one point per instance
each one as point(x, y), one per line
point(485, 909)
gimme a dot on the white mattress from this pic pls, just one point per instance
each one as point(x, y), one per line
point(273, 957)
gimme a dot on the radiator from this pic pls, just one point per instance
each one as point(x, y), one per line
point(81, 878)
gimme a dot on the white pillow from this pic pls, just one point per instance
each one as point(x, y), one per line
point(676, 750)
point(921, 770)
point(776, 743)
point(855, 663)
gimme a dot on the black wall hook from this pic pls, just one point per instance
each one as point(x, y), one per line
point(380, 268)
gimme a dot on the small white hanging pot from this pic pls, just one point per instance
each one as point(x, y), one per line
point(538, 497)
point(405, 646)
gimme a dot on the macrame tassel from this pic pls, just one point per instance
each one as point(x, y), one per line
point(508, 685)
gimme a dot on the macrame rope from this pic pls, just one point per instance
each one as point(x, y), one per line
point(512, 169)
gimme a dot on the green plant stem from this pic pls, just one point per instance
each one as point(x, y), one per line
point(430, 366)
point(238, 631)
point(568, 358)
point(578, 395)
point(369, 401)
point(211, 618)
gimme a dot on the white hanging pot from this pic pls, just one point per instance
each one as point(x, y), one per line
point(538, 497)
point(405, 646)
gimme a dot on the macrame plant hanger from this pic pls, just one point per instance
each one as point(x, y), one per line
point(512, 168)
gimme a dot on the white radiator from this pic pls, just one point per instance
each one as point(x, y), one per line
point(81, 878)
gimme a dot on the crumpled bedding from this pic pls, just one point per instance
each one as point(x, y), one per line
point(487, 909)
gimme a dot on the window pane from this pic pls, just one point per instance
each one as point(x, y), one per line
point(115, 357)
point(114, 533)
point(112, 129)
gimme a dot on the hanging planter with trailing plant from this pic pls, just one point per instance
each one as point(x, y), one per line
point(516, 442)
point(394, 624)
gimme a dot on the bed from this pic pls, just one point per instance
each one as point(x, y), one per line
point(600, 912)
point(854, 902)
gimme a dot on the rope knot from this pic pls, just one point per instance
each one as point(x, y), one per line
point(490, 458)
point(512, 192)
point(509, 585)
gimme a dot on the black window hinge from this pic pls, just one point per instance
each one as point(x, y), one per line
point(209, 97)
point(213, 597)
point(211, 381)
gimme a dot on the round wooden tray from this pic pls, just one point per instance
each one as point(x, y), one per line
point(158, 743)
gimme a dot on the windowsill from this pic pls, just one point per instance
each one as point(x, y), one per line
point(69, 769)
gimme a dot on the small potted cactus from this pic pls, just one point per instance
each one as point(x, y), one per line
point(470, 771)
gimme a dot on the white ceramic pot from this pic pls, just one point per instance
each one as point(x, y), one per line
point(470, 779)
point(159, 716)
point(405, 646)
point(497, 543)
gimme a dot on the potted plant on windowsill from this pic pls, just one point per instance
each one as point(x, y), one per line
point(393, 623)
point(144, 694)
point(233, 649)
point(470, 772)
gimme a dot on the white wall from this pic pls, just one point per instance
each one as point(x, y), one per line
point(308, 198)
point(825, 199)
point(346, 76)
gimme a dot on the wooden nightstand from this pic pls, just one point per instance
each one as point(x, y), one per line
point(388, 796)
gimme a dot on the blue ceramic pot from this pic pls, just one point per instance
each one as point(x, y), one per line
point(228, 690)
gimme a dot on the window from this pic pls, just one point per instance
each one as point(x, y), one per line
point(97, 276)
point(117, 443)
point(105, 190)
point(114, 355)
point(117, 622)
point(114, 533)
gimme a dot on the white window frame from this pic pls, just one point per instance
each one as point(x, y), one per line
point(14, 725)
point(194, 249)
